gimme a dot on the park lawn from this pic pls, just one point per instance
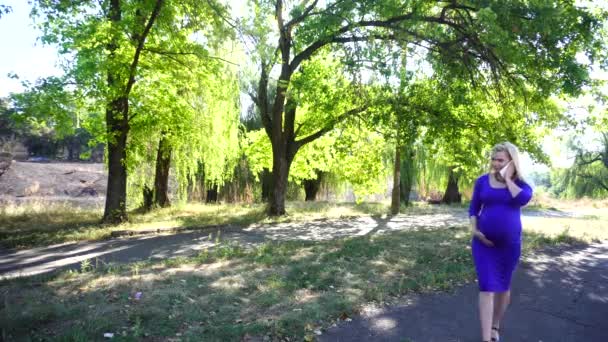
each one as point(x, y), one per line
point(42, 224)
point(278, 290)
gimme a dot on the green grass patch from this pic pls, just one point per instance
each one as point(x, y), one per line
point(590, 228)
point(39, 224)
point(277, 289)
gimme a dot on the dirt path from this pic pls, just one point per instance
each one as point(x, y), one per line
point(14, 263)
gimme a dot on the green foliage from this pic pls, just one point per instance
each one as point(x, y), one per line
point(159, 57)
point(50, 115)
point(48, 105)
point(197, 112)
point(588, 175)
point(344, 153)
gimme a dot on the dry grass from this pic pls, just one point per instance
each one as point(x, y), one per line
point(41, 223)
point(229, 293)
point(282, 289)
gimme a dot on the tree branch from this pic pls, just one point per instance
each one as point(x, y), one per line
point(219, 14)
point(262, 101)
point(328, 127)
point(185, 53)
point(583, 162)
point(295, 21)
point(254, 98)
point(140, 45)
point(593, 178)
point(388, 23)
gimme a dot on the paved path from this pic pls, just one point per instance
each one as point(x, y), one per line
point(560, 295)
point(16, 263)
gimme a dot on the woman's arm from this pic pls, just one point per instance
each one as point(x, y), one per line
point(522, 193)
point(514, 189)
point(474, 209)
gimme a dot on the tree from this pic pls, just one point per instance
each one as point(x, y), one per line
point(109, 44)
point(187, 120)
point(4, 10)
point(488, 40)
point(49, 116)
point(589, 172)
point(322, 91)
point(340, 155)
point(473, 121)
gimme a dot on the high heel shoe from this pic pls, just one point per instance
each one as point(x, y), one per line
point(497, 338)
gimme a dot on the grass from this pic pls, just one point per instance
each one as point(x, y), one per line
point(284, 289)
point(39, 224)
point(278, 290)
point(586, 229)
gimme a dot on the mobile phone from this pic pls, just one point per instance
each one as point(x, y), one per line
point(503, 171)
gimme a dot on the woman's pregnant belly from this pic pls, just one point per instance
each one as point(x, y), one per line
point(500, 224)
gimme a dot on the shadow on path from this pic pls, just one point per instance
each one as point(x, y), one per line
point(20, 263)
point(70, 256)
point(558, 295)
point(15, 263)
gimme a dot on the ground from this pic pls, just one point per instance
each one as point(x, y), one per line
point(76, 183)
point(369, 278)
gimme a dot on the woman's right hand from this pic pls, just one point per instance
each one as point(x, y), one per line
point(481, 237)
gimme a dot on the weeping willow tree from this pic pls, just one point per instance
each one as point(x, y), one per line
point(109, 47)
point(588, 175)
point(189, 123)
point(454, 151)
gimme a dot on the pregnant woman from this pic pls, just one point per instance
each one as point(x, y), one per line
point(496, 227)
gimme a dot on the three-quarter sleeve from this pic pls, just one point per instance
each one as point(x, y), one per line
point(524, 196)
point(475, 205)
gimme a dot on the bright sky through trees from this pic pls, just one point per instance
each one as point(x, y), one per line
point(24, 55)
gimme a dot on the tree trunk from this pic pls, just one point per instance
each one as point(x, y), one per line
point(70, 144)
point(311, 187)
point(118, 129)
point(452, 194)
point(117, 111)
point(407, 175)
point(148, 198)
point(280, 172)
point(266, 178)
point(161, 179)
point(212, 194)
point(396, 197)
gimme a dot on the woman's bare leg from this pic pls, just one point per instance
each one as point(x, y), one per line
point(501, 302)
point(486, 310)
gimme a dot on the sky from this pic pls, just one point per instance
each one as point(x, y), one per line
point(23, 54)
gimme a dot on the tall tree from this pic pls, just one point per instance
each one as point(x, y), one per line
point(187, 121)
point(588, 175)
point(485, 40)
point(108, 44)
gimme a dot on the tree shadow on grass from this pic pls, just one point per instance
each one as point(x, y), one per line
point(282, 289)
point(71, 255)
point(559, 294)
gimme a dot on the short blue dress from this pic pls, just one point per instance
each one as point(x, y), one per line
point(499, 219)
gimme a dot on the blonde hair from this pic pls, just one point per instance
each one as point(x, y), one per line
point(513, 153)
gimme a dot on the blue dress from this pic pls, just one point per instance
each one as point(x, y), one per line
point(499, 219)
